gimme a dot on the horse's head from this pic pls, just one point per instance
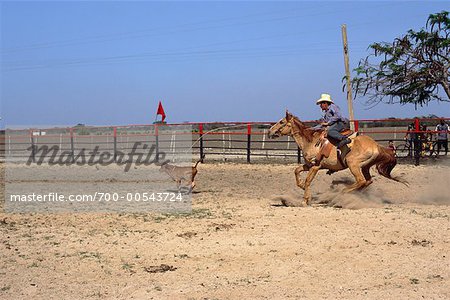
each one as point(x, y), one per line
point(282, 127)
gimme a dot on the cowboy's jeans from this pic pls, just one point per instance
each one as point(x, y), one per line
point(334, 131)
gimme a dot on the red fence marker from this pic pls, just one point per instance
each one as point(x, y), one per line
point(249, 136)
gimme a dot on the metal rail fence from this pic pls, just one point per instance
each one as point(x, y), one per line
point(230, 141)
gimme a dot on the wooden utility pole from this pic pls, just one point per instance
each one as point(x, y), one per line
point(347, 74)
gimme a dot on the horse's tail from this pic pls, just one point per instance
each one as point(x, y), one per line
point(386, 162)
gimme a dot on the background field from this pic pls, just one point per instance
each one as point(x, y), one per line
point(236, 142)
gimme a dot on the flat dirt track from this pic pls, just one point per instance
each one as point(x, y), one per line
point(387, 242)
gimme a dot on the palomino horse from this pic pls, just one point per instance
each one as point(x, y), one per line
point(364, 153)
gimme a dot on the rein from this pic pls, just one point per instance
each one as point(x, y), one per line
point(298, 128)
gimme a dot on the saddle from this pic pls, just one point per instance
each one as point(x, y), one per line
point(347, 132)
point(325, 146)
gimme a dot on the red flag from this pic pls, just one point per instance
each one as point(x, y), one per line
point(161, 112)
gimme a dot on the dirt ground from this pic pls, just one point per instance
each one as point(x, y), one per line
point(387, 242)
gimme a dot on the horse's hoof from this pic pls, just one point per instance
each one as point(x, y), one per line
point(291, 203)
point(367, 183)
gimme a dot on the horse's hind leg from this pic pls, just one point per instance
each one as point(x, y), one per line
point(366, 169)
point(366, 172)
point(358, 174)
point(298, 180)
point(311, 174)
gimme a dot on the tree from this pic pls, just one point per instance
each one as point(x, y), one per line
point(412, 69)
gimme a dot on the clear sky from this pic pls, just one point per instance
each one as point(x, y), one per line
point(111, 62)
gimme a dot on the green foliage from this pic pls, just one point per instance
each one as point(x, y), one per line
point(413, 68)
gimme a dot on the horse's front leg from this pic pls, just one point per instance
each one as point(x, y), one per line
point(312, 173)
point(298, 180)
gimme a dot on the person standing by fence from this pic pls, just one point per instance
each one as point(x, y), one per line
point(392, 147)
point(442, 136)
point(409, 138)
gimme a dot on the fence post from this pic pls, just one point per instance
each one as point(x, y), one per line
point(200, 131)
point(299, 155)
point(356, 124)
point(417, 143)
point(72, 146)
point(115, 144)
point(223, 145)
point(249, 134)
point(156, 143)
point(33, 147)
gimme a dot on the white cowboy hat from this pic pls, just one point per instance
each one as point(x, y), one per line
point(324, 98)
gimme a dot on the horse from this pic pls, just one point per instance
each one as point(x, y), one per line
point(363, 153)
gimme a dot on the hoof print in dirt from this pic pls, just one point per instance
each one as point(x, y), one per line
point(159, 269)
point(187, 235)
point(423, 243)
point(218, 227)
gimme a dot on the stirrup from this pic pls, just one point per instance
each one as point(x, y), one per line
point(344, 142)
point(344, 151)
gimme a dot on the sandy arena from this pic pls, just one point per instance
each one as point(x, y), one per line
point(387, 242)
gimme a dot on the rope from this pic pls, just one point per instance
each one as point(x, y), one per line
point(212, 130)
